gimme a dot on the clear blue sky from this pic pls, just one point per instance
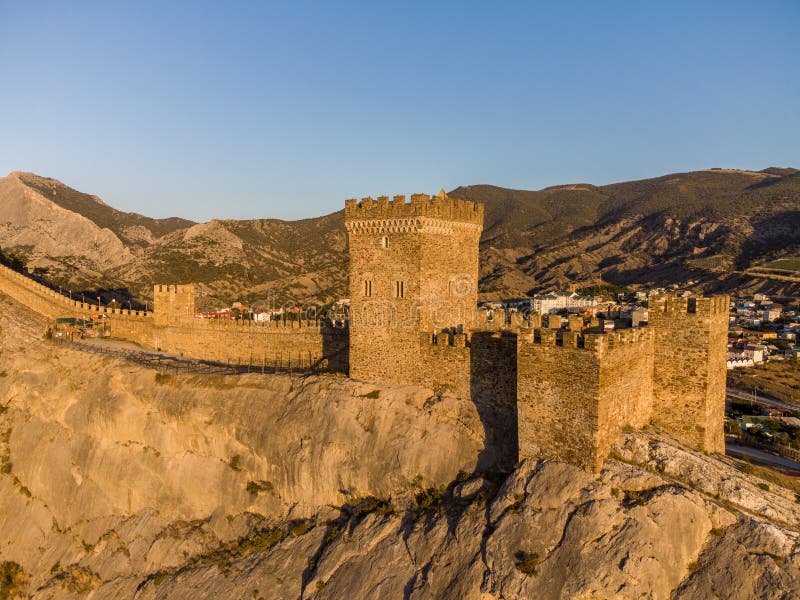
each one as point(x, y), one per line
point(259, 109)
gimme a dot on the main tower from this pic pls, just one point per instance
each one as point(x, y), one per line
point(413, 274)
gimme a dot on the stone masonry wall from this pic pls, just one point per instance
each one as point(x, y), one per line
point(626, 383)
point(242, 342)
point(413, 271)
point(689, 368)
point(577, 391)
point(558, 391)
point(136, 326)
point(290, 344)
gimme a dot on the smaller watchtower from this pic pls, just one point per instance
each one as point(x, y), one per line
point(173, 303)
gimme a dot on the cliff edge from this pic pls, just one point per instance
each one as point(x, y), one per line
point(127, 482)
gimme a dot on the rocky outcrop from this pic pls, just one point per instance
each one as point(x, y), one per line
point(124, 482)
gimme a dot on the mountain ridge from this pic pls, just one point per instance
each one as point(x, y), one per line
point(707, 226)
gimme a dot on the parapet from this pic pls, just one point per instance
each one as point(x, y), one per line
point(699, 305)
point(175, 289)
point(589, 341)
point(421, 205)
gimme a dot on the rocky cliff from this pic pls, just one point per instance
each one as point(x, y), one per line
point(126, 482)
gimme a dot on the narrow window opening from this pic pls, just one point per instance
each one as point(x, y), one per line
point(385, 241)
point(367, 287)
point(399, 290)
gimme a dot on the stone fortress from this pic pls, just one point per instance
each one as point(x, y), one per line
point(541, 389)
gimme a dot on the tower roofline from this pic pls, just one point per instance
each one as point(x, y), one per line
point(422, 205)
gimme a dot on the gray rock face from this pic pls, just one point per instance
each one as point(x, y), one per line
point(124, 483)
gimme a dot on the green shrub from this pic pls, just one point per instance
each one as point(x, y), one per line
point(235, 462)
point(3, 373)
point(763, 486)
point(373, 395)
point(429, 499)
point(462, 476)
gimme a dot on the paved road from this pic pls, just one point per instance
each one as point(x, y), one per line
point(762, 457)
point(764, 401)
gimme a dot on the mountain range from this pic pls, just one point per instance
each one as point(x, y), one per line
point(710, 230)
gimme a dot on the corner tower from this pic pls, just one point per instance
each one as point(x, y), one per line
point(413, 272)
point(691, 336)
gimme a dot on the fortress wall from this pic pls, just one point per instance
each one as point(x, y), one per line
point(134, 325)
point(576, 392)
point(237, 341)
point(689, 368)
point(558, 391)
point(274, 343)
point(626, 383)
point(445, 364)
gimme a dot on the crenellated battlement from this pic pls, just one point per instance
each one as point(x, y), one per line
point(49, 302)
point(597, 342)
point(440, 207)
point(692, 305)
point(174, 288)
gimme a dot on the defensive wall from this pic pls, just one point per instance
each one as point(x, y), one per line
point(133, 325)
point(569, 387)
point(541, 386)
point(576, 391)
point(689, 374)
point(173, 328)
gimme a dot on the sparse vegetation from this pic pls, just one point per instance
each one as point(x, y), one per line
point(260, 540)
point(13, 581)
point(373, 395)
point(429, 500)
point(527, 563)
point(235, 462)
point(165, 379)
point(333, 532)
point(300, 527)
point(256, 487)
point(358, 508)
point(787, 264)
point(771, 476)
point(77, 579)
point(779, 379)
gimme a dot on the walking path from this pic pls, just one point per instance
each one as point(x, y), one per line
point(165, 362)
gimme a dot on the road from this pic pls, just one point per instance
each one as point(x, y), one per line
point(764, 401)
point(762, 457)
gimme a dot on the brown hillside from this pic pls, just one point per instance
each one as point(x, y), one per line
point(709, 227)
